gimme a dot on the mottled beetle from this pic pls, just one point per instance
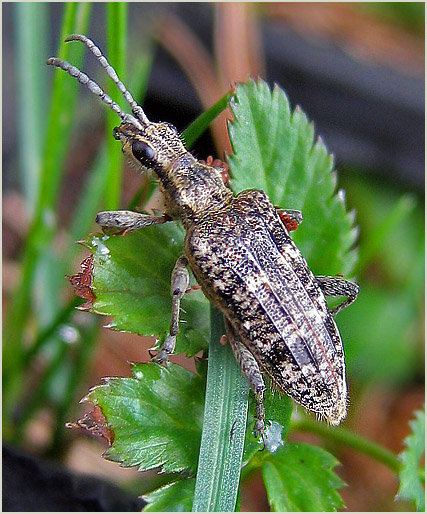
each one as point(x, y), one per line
point(239, 250)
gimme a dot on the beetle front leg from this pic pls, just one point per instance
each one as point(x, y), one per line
point(253, 375)
point(121, 222)
point(335, 286)
point(179, 285)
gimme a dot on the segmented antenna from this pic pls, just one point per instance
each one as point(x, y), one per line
point(139, 115)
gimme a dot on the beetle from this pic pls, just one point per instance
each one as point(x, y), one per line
point(239, 250)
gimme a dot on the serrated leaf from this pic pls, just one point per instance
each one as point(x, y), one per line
point(300, 477)
point(131, 282)
point(410, 487)
point(275, 151)
point(175, 497)
point(145, 414)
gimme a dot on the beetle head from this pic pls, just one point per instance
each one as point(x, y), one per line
point(152, 147)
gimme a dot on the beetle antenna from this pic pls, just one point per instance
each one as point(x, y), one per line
point(111, 72)
point(91, 85)
point(138, 117)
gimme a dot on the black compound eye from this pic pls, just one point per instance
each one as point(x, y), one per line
point(143, 153)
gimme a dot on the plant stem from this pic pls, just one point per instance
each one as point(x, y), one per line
point(350, 439)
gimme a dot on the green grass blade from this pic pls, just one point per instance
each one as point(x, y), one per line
point(116, 51)
point(201, 123)
point(224, 426)
point(140, 71)
point(63, 99)
point(39, 393)
point(31, 22)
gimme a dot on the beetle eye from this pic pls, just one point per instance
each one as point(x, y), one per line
point(143, 153)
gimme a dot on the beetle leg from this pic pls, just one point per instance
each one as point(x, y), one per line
point(120, 222)
point(179, 285)
point(335, 286)
point(290, 218)
point(253, 375)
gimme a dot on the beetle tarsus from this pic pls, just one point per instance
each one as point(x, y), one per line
point(162, 357)
point(179, 285)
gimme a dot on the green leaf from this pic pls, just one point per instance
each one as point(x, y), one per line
point(345, 437)
point(411, 487)
point(175, 497)
point(300, 477)
point(131, 282)
point(274, 150)
point(145, 414)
